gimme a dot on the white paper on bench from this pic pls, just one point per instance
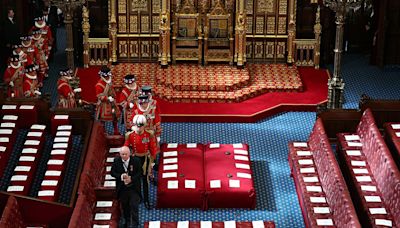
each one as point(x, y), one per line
point(22, 169)
point(32, 142)
point(102, 216)
point(229, 224)
point(300, 144)
point(35, 134)
point(15, 188)
point(234, 183)
point(61, 139)
point(8, 107)
point(63, 133)
point(170, 160)
point(373, 199)
point(154, 224)
point(383, 222)
point(214, 145)
point(307, 170)
point(172, 184)
point(396, 126)
point(237, 145)
point(317, 199)
point(10, 117)
point(355, 144)
point(58, 152)
point(38, 127)
point(26, 107)
point(303, 153)
point(310, 179)
point(104, 204)
point(5, 139)
point(360, 171)
point(29, 151)
point(169, 175)
point(306, 162)
point(363, 178)
point(19, 178)
point(171, 167)
point(60, 145)
point(368, 188)
point(324, 222)
point(110, 159)
point(358, 163)
point(109, 184)
point(241, 166)
point(241, 152)
point(191, 145)
point(321, 210)
point(190, 184)
point(244, 175)
point(205, 224)
point(108, 168)
point(170, 153)
point(258, 224)
point(314, 188)
point(46, 193)
point(3, 148)
point(101, 226)
point(115, 150)
point(55, 162)
point(61, 117)
point(241, 158)
point(64, 127)
point(12, 125)
point(183, 224)
point(109, 177)
point(397, 134)
point(5, 131)
point(353, 152)
point(215, 183)
point(53, 173)
point(26, 158)
point(172, 145)
point(49, 183)
point(376, 211)
point(351, 137)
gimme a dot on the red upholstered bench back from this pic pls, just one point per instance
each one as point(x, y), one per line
point(381, 163)
point(11, 215)
point(83, 213)
point(337, 194)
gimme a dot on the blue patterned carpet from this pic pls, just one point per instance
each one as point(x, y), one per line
point(268, 140)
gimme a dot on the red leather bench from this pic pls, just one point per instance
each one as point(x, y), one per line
point(12, 215)
point(372, 174)
point(321, 189)
point(27, 113)
point(8, 131)
point(392, 139)
point(190, 224)
point(181, 176)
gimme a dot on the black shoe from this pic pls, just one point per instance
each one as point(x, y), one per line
point(147, 205)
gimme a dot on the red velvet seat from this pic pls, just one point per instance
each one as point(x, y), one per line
point(392, 139)
point(58, 120)
point(158, 224)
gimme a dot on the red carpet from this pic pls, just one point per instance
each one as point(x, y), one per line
point(315, 92)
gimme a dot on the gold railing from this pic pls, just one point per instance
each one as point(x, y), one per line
point(98, 51)
point(304, 52)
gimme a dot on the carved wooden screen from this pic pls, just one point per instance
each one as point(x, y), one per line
point(138, 30)
point(266, 39)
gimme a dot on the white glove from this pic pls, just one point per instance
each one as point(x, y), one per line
point(12, 84)
point(158, 139)
point(77, 90)
point(37, 92)
point(130, 105)
point(110, 99)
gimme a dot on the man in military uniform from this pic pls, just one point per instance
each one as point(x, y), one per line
point(45, 31)
point(143, 146)
point(42, 45)
point(106, 107)
point(66, 95)
point(13, 76)
point(128, 98)
point(30, 86)
point(153, 114)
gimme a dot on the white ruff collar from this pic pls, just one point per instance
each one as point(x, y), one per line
point(106, 81)
point(40, 25)
point(144, 110)
point(23, 44)
point(34, 37)
point(33, 77)
point(131, 87)
point(15, 66)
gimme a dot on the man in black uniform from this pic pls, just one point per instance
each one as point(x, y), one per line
point(127, 171)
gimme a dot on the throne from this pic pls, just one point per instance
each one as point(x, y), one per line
point(218, 38)
point(187, 37)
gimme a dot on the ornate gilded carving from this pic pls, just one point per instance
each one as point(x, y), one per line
point(156, 24)
point(122, 24)
point(282, 25)
point(156, 6)
point(271, 25)
point(218, 9)
point(258, 50)
point(165, 55)
point(249, 7)
point(86, 31)
point(133, 24)
point(145, 49)
point(249, 49)
point(122, 48)
point(113, 30)
point(154, 48)
point(134, 49)
point(187, 7)
point(265, 6)
point(139, 6)
point(121, 6)
point(249, 26)
point(283, 7)
point(144, 24)
point(270, 50)
point(280, 50)
point(259, 25)
point(317, 32)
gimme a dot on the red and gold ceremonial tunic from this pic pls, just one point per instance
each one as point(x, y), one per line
point(152, 114)
point(30, 86)
point(46, 32)
point(142, 144)
point(128, 96)
point(15, 75)
point(104, 107)
point(66, 95)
